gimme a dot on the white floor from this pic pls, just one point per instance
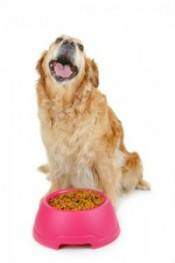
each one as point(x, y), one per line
point(133, 43)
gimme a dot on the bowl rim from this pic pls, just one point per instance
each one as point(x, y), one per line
point(60, 191)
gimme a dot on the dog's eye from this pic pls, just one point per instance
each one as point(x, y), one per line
point(59, 39)
point(80, 46)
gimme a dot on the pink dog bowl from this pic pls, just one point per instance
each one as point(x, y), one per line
point(95, 227)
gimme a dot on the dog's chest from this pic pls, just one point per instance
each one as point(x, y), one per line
point(73, 138)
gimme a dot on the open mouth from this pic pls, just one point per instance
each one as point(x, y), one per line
point(62, 68)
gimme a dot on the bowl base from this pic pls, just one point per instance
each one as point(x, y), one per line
point(89, 240)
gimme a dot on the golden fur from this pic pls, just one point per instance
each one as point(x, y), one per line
point(82, 135)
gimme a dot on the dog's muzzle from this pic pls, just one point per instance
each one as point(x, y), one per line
point(63, 68)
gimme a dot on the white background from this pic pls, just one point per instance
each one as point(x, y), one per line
point(133, 43)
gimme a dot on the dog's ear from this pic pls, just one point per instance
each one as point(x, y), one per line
point(93, 73)
point(39, 67)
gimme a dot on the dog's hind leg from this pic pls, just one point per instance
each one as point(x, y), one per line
point(132, 174)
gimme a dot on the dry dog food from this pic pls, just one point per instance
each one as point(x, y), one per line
point(77, 200)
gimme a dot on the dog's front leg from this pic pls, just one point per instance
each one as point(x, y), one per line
point(109, 175)
point(58, 180)
point(54, 185)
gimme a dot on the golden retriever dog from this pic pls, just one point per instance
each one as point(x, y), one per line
point(82, 135)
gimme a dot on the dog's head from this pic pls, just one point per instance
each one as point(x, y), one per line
point(65, 63)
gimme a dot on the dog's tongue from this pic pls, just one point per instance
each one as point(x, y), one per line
point(63, 71)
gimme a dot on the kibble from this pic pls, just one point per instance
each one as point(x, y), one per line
point(77, 200)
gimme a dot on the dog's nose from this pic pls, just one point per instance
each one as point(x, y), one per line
point(68, 44)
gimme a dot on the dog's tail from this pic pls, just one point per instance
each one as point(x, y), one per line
point(44, 168)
